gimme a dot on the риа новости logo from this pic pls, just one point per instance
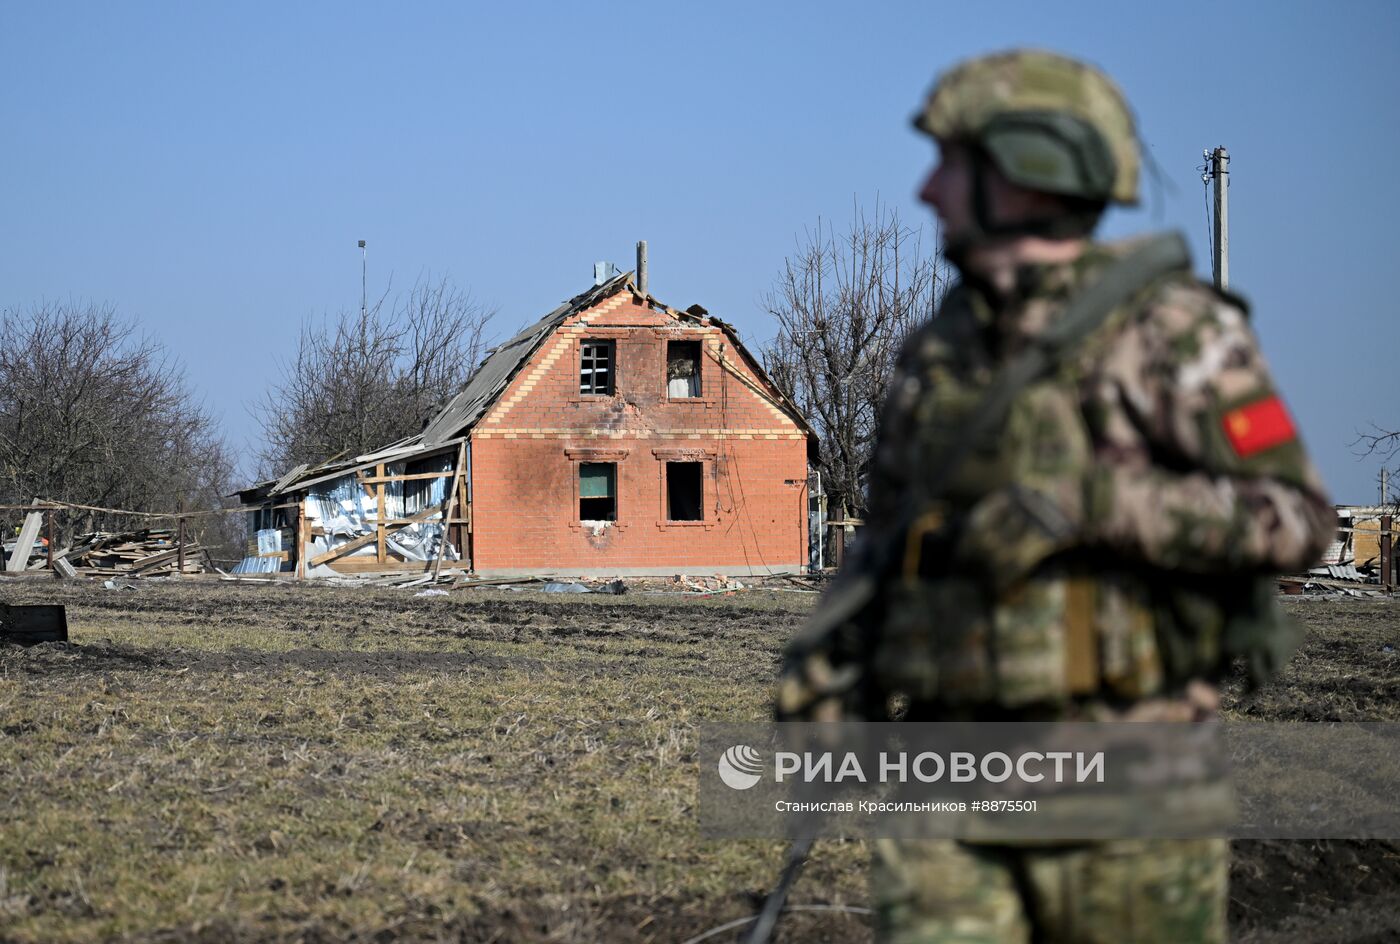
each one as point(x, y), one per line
point(740, 766)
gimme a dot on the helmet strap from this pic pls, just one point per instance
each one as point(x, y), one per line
point(1077, 221)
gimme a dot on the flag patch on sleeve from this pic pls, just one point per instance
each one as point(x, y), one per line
point(1257, 426)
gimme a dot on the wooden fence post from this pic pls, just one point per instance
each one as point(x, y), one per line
point(301, 539)
point(379, 495)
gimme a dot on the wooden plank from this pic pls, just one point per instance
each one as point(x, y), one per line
point(1327, 582)
point(362, 541)
point(172, 556)
point(301, 541)
point(417, 476)
point(464, 522)
point(449, 507)
point(368, 565)
point(379, 528)
point(28, 533)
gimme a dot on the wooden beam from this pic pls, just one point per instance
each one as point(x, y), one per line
point(363, 540)
point(417, 476)
point(28, 533)
point(379, 528)
point(301, 541)
point(368, 565)
point(449, 506)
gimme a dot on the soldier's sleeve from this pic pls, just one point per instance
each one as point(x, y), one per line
point(1203, 469)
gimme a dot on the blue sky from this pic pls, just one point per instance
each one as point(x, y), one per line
point(208, 168)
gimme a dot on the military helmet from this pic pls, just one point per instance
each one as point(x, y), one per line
point(1048, 122)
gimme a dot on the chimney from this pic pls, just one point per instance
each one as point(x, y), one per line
point(642, 266)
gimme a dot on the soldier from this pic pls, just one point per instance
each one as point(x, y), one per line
point(1084, 480)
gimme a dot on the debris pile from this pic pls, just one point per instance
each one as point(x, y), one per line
point(147, 553)
point(707, 585)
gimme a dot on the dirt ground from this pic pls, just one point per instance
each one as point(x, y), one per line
point(226, 762)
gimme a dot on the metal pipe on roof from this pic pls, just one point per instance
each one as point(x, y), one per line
point(642, 266)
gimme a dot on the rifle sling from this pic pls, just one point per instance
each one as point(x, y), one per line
point(1123, 279)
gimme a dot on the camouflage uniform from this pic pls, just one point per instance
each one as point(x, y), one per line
point(1091, 557)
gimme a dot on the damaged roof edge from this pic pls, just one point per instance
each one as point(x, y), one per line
point(369, 460)
point(303, 478)
point(497, 371)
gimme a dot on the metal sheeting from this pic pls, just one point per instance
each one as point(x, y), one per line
point(269, 541)
point(344, 510)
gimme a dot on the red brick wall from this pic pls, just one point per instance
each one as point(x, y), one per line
point(526, 451)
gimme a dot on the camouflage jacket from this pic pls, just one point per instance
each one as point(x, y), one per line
point(1094, 544)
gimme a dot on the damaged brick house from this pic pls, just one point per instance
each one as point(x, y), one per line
point(616, 435)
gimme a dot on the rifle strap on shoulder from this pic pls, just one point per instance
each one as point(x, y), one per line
point(1088, 311)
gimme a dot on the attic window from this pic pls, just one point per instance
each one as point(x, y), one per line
point(683, 368)
point(596, 369)
point(597, 491)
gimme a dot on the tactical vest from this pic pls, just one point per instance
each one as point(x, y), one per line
point(1083, 624)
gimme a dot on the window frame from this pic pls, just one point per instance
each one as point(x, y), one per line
point(666, 480)
point(708, 378)
point(576, 456)
point(708, 481)
point(612, 346)
point(578, 489)
point(699, 368)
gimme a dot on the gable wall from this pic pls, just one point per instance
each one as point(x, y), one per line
point(527, 448)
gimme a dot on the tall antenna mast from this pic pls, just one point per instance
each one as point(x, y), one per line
point(363, 266)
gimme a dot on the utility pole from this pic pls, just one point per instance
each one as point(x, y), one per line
point(1220, 173)
point(1387, 548)
point(363, 266)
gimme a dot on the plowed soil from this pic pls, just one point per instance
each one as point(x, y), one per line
point(230, 762)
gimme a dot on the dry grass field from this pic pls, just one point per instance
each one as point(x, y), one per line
point(226, 762)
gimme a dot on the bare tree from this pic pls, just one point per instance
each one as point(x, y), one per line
point(95, 413)
point(370, 378)
point(845, 305)
point(1385, 444)
point(1378, 441)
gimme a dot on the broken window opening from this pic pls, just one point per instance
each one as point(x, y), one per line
point(683, 368)
point(685, 491)
point(597, 491)
point(596, 369)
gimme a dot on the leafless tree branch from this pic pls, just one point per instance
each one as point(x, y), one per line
point(367, 379)
point(844, 304)
point(94, 412)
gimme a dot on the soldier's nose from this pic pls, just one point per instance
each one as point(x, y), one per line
point(928, 192)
